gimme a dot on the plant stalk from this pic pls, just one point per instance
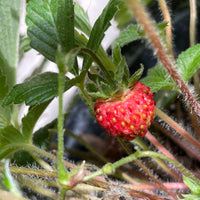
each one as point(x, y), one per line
point(160, 162)
point(179, 142)
point(167, 18)
point(62, 172)
point(178, 128)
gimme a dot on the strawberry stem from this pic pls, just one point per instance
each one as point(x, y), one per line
point(145, 169)
point(160, 162)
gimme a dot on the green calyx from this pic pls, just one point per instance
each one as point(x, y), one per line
point(114, 85)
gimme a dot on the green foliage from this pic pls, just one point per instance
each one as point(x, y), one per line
point(42, 28)
point(99, 28)
point(158, 79)
point(11, 140)
point(124, 15)
point(64, 21)
point(29, 121)
point(188, 62)
point(128, 35)
point(33, 93)
point(81, 20)
point(4, 112)
point(194, 187)
point(9, 37)
point(136, 76)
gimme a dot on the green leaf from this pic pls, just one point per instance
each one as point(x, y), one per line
point(9, 38)
point(190, 197)
point(124, 15)
point(193, 185)
point(4, 112)
point(82, 20)
point(42, 28)
point(126, 36)
point(116, 55)
point(98, 30)
point(9, 181)
point(29, 121)
point(91, 88)
point(42, 21)
point(42, 137)
point(158, 79)
point(188, 62)
point(122, 74)
point(65, 23)
point(38, 89)
point(11, 140)
point(136, 76)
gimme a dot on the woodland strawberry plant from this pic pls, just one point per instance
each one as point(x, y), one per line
point(138, 163)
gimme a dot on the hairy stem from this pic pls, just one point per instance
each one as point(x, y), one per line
point(40, 189)
point(144, 19)
point(160, 162)
point(167, 18)
point(179, 142)
point(159, 146)
point(62, 172)
point(178, 128)
point(146, 170)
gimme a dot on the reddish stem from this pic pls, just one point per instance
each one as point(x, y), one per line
point(159, 146)
point(169, 186)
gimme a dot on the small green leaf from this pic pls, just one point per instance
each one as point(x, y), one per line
point(128, 35)
point(99, 28)
point(4, 112)
point(29, 121)
point(188, 62)
point(96, 78)
point(9, 38)
point(42, 28)
point(122, 74)
point(116, 55)
point(38, 89)
point(9, 137)
point(9, 181)
point(193, 185)
point(157, 79)
point(124, 15)
point(82, 20)
point(190, 197)
point(104, 89)
point(91, 88)
point(136, 76)
point(65, 23)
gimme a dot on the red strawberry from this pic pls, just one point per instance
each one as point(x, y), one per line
point(129, 115)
